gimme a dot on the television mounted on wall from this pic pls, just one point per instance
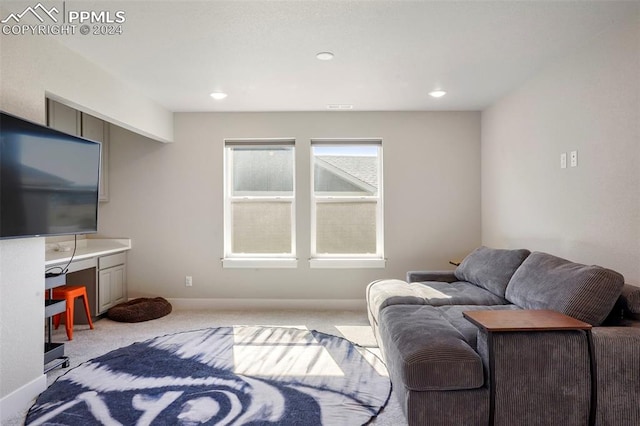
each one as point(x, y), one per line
point(48, 181)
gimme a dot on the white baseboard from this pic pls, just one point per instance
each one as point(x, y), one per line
point(280, 304)
point(22, 398)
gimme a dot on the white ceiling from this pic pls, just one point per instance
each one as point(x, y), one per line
point(388, 54)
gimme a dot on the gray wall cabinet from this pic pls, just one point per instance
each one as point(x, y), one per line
point(69, 120)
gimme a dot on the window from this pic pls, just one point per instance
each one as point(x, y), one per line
point(346, 200)
point(259, 203)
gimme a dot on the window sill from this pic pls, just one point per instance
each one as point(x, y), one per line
point(349, 263)
point(257, 263)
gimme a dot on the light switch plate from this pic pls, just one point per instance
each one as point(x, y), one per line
point(563, 160)
point(574, 158)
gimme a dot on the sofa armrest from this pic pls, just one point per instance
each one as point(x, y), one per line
point(421, 276)
point(617, 356)
point(543, 353)
point(550, 369)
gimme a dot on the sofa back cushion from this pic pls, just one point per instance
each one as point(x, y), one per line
point(626, 308)
point(543, 281)
point(491, 268)
point(630, 301)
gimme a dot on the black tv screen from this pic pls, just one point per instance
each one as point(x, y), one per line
point(48, 181)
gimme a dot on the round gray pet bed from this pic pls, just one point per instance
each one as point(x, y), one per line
point(141, 309)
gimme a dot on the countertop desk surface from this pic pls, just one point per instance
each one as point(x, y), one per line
point(87, 248)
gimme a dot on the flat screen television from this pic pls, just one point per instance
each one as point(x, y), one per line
point(48, 181)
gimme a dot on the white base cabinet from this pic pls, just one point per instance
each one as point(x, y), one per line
point(112, 281)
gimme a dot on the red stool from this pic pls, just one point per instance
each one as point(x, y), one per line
point(69, 294)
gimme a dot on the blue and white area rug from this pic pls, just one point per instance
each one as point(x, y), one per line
point(222, 376)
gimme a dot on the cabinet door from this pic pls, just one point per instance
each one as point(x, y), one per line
point(104, 290)
point(63, 118)
point(118, 280)
point(97, 130)
point(69, 120)
point(112, 287)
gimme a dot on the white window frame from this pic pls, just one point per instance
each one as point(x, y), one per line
point(348, 260)
point(255, 260)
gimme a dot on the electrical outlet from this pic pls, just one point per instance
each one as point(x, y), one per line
point(563, 160)
point(188, 281)
point(574, 158)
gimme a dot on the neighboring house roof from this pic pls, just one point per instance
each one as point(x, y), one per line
point(359, 170)
point(36, 178)
point(254, 171)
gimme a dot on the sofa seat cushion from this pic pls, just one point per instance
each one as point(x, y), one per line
point(427, 352)
point(453, 314)
point(544, 281)
point(381, 294)
point(491, 268)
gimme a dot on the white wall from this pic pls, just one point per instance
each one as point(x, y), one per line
point(34, 66)
point(30, 68)
point(168, 199)
point(22, 320)
point(587, 101)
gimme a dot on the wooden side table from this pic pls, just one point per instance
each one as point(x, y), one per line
point(495, 322)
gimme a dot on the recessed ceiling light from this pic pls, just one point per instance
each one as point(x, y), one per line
point(325, 56)
point(437, 93)
point(218, 95)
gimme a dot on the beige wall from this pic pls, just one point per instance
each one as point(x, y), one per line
point(588, 101)
point(168, 199)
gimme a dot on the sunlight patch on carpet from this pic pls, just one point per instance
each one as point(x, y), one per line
point(361, 334)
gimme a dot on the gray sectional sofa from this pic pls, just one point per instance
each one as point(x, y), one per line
point(442, 365)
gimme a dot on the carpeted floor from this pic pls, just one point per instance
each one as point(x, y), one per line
point(109, 335)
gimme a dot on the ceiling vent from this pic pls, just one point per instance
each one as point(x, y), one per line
point(339, 106)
